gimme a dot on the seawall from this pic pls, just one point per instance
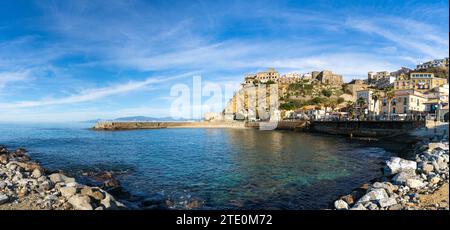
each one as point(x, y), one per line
point(366, 128)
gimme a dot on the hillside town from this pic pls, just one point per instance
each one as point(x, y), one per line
point(405, 94)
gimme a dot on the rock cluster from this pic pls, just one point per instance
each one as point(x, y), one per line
point(404, 181)
point(22, 178)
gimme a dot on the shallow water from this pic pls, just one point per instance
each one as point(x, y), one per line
point(227, 168)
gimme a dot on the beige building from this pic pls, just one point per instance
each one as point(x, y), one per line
point(289, 78)
point(269, 75)
point(376, 76)
point(405, 102)
point(354, 86)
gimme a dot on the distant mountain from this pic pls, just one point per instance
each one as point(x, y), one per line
point(137, 118)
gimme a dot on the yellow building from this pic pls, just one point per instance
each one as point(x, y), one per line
point(418, 81)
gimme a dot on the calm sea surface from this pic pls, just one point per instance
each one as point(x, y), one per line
point(227, 168)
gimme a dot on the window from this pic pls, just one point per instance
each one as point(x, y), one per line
point(405, 101)
point(404, 109)
point(393, 110)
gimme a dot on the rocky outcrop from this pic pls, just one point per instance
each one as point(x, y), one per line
point(23, 179)
point(405, 182)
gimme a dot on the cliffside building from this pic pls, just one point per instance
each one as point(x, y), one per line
point(419, 81)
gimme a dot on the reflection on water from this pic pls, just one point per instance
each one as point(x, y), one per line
point(228, 168)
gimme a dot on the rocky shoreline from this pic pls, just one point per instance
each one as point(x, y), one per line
point(25, 185)
point(418, 183)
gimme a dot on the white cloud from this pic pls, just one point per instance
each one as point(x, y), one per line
point(9, 77)
point(92, 94)
point(415, 36)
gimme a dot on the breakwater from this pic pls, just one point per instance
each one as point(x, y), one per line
point(112, 125)
point(353, 128)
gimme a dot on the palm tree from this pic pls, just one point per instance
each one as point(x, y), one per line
point(390, 94)
point(376, 95)
point(361, 102)
point(351, 108)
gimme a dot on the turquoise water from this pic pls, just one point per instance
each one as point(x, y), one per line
point(227, 168)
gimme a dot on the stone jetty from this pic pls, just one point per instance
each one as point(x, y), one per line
point(25, 185)
point(419, 183)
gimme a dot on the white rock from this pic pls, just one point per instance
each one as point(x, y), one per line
point(58, 177)
point(110, 203)
point(3, 198)
point(435, 180)
point(414, 183)
point(402, 177)
point(80, 202)
point(396, 165)
point(36, 173)
point(67, 192)
point(340, 205)
point(387, 202)
point(374, 195)
point(358, 207)
point(434, 145)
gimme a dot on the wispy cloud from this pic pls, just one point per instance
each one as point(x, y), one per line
point(92, 94)
point(10, 77)
point(416, 36)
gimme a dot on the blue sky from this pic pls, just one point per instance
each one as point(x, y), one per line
point(80, 60)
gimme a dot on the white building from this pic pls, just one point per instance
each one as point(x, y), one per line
point(434, 63)
point(372, 106)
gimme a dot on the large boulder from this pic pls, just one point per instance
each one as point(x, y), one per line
point(402, 177)
point(68, 191)
point(340, 205)
point(434, 145)
point(3, 199)
point(3, 158)
point(358, 207)
point(396, 165)
point(390, 188)
point(425, 167)
point(386, 202)
point(110, 203)
point(374, 195)
point(58, 177)
point(80, 202)
point(415, 183)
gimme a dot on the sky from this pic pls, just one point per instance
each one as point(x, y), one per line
point(79, 60)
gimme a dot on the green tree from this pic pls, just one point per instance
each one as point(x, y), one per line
point(376, 95)
point(361, 102)
point(390, 94)
point(327, 92)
